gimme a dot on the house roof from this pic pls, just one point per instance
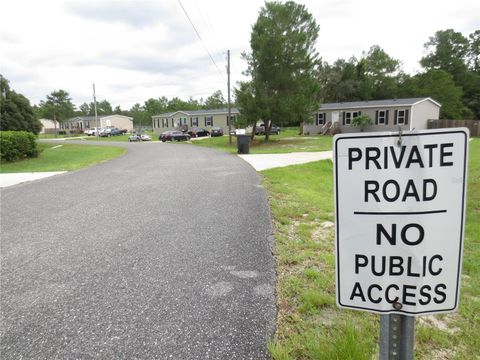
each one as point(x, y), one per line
point(376, 103)
point(90, 117)
point(198, 112)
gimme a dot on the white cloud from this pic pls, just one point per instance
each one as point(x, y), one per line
point(135, 50)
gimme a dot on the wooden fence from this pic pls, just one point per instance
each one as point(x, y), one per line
point(472, 125)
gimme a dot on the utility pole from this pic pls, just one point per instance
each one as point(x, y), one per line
point(55, 119)
point(229, 105)
point(95, 106)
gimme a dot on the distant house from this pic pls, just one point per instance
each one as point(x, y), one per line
point(386, 115)
point(81, 123)
point(48, 126)
point(192, 118)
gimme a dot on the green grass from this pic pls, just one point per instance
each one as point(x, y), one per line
point(309, 324)
point(54, 157)
point(53, 136)
point(287, 141)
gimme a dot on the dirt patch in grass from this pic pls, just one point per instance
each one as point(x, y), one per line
point(441, 322)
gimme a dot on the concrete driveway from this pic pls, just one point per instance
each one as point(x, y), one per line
point(165, 252)
point(269, 161)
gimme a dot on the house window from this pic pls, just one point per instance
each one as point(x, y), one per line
point(348, 118)
point(184, 121)
point(208, 120)
point(381, 117)
point(401, 117)
point(194, 121)
point(232, 118)
point(349, 115)
point(320, 118)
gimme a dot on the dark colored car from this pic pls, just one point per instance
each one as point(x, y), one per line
point(165, 136)
point(260, 130)
point(173, 135)
point(216, 131)
point(198, 132)
point(116, 131)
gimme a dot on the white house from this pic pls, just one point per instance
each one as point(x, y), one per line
point(48, 126)
point(81, 123)
point(386, 115)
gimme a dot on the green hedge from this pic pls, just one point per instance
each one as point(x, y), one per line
point(15, 145)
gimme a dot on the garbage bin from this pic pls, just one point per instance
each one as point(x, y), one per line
point(243, 144)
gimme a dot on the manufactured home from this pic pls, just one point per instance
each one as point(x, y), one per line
point(194, 118)
point(81, 123)
point(385, 115)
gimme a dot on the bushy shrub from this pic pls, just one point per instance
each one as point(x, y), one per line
point(15, 145)
point(361, 121)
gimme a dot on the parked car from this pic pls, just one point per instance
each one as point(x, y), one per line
point(216, 131)
point(198, 132)
point(92, 131)
point(260, 130)
point(116, 131)
point(105, 132)
point(134, 137)
point(173, 135)
point(145, 137)
point(167, 135)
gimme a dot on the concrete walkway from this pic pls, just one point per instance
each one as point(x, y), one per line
point(268, 161)
point(18, 178)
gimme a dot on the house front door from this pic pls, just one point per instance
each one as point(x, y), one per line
point(335, 117)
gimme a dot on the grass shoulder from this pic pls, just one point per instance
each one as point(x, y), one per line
point(63, 157)
point(309, 324)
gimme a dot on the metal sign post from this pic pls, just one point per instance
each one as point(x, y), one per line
point(396, 337)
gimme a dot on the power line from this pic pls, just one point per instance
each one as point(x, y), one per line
point(201, 40)
point(207, 27)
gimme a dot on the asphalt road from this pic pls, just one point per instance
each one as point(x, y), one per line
point(163, 253)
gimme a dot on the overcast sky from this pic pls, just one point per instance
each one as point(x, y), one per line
point(136, 50)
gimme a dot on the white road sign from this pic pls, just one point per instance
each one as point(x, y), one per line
point(399, 206)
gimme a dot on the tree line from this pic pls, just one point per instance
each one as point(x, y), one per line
point(450, 75)
point(16, 112)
